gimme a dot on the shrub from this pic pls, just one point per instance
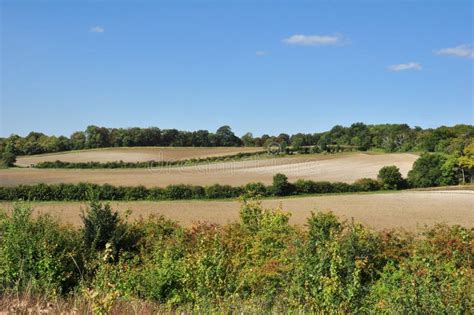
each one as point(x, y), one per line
point(255, 190)
point(156, 193)
point(305, 186)
point(222, 191)
point(259, 264)
point(103, 226)
point(176, 192)
point(37, 254)
point(366, 184)
point(136, 193)
point(281, 186)
point(335, 266)
point(422, 285)
point(321, 227)
point(390, 177)
point(339, 187)
point(7, 159)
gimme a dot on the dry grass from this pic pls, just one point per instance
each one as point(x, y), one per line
point(337, 167)
point(135, 154)
point(27, 303)
point(408, 209)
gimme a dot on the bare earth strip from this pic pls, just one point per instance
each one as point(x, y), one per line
point(135, 154)
point(410, 210)
point(338, 167)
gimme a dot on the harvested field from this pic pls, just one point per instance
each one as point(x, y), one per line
point(346, 167)
point(135, 154)
point(408, 209)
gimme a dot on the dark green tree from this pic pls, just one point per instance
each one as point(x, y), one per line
point(8, 159)
point(390, 177)
point(428, 171)
point(226, 138)
point(102, 226)
point(281, 186)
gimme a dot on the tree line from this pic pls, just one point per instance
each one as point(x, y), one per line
point(359, 136)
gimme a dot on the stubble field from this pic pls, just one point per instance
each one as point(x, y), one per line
point(134, 154)
point(409, 210)
point(346, 167)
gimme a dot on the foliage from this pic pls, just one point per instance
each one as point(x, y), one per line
point(37, 254)
point(435, 277)
point(260, 264)
point(427, 171)
point(281, 186)
point(7, 159)
point(390, 177)
point(466, 163)
point(358, 136)
point(104, 227)
point(367, 184)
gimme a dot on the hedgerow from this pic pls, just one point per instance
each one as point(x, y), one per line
point(260, 264)
point(147, 164)
point(83, 191)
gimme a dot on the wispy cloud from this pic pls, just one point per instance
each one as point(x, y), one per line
point(313, 40)
point(261, 53)
point(405, 66)
point(459, 51)
point(97, 29)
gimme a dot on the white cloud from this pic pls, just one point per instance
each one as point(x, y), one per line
point(405, 66)
point(313, 40)
point(97, 29)
point(459, 51)
point(261, 53)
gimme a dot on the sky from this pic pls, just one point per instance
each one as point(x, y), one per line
point(258, 66)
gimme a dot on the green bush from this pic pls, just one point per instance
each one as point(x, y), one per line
point(434, 278)
point(37, 255)
point(390, 177)
point(281, 186)
point(222, 191)
point(335, 266)
point(103, 226)
point(7, 159)
point(366, 184)
point(175, 192)
point(260, 264)
point(255, 190)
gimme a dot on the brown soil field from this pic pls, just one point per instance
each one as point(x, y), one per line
point(410, 210)
point(346, 167)
point(135, 154)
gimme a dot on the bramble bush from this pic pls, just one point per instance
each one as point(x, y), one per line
point(37, 254)
point(259, 264)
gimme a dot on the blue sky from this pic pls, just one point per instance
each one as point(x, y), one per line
point(259, 66)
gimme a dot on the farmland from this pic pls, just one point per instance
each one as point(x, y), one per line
point(137, 154)
point(409, 210)
point(344, 167)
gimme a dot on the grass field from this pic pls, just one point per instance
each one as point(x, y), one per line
point(135, 154)
point(408, 209)
point(345, 167)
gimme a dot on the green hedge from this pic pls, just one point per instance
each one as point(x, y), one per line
point(86, 191)
point(145, 164)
